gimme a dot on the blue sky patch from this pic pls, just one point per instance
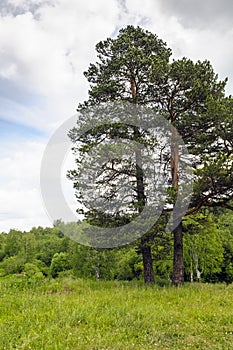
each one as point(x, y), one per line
point(10, 129)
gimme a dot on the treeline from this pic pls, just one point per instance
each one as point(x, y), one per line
point(47, 252)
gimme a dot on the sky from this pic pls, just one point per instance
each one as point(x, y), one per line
point(45, 45)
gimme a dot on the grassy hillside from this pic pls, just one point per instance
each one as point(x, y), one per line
point(72, 314)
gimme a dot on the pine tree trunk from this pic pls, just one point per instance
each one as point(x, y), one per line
point(145, 240)
point(145, 247)
point(147, 263)
point(178, 259)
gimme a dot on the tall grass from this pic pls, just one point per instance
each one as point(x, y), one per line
point(70, 314)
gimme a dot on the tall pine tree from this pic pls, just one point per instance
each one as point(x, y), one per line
point(135, 67)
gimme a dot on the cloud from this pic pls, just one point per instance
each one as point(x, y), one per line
point(45, 55)
point(20, 197)
point(20, 200)
point(17, 7)
point(200, 14)
point(48, 54)
point(173, 22)
point(21, 210)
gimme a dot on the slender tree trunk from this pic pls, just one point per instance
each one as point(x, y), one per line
point(147, 260)
point(145, 240)
point(198, 276)
point(198, 272)
point(97, 275)
point(145, 247)
point(178, 259)
point(191, 272)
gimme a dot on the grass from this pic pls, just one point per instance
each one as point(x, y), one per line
point(70, 314)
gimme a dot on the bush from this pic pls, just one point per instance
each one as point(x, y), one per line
point(32, 271)
point(13, 264)
point(60, 262)
point(42, 267)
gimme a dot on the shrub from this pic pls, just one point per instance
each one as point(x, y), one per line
point(13, 264)
point(60, 262)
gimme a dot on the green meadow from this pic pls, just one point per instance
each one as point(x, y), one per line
point(70, 314)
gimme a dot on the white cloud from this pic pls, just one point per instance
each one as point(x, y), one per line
point(51, 53)
point(200, 14)
point(22, 210)
point(25, 4)
point(20, 200)
point(47, 54)
point(8, 71)
point(211, 43)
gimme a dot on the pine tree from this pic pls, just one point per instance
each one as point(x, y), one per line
point(135, 68)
